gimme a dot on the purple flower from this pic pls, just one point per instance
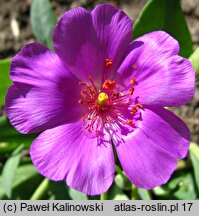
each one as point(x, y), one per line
point(99, 90)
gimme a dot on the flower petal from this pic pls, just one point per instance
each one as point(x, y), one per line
point(114, 33)
point(43, 93)
point(75, 42)
point(65, 153)
point(84, 40)
point(163, 78)
point(149, 154)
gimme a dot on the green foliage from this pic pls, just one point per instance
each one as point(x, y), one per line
point(76, 195)
point(122, 181)
point(144, 194)
point(58, 191)
point(10, 139)
point(194, 154)
point(194, 58)
point(24, 183)
point(43, 21)
point(9, 171)
point(165, 15)
point(180, 187)
point(121, 197)
point(4, 78)
point(116, 193)
point(41, 189)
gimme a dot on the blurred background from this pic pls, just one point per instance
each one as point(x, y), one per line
point(17, 172)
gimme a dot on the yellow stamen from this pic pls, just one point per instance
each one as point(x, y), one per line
point(102, 99)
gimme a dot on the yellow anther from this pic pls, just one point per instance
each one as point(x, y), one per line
point(102, 99)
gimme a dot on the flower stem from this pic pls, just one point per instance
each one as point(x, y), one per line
point(38, 194)
point(119, 171)
point(134, 193)
point(104, 196)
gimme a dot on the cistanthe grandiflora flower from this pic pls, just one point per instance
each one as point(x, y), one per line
point(99, 90)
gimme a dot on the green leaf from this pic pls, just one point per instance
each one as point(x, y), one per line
point(144, 194)
point(24, 184)
point(194, 58)
point(165, 15)
point(24, 173)
point(181, 187)
point(5, 79)
point(194, 154)
point(58, 191)
point(116, 193)
point(122, 182)
point(43, 21)
point(160, 191)
point(10, 139)
point(9, 171)
point(76, 195)
point(121, 197)
point(186, 187)
point(26, 180)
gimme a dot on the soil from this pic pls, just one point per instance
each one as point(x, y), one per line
point(15, 32)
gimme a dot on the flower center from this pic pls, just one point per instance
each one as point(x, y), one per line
point(102, 99)
point(108, 107)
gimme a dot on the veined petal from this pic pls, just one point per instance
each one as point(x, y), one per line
point(65, 153)
point(149, 154)
point(43, 93)
point(163, 78)
point(75, 42)
point(84, 40)
point(114, 32)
